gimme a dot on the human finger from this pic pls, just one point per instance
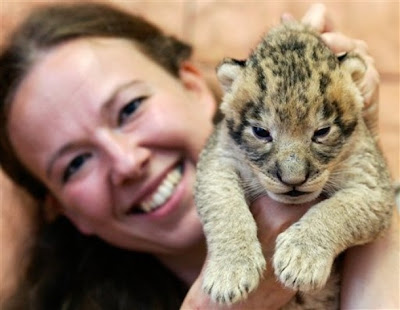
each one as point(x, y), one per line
point(196, 298)
point(273, 218)
point(369, 84)
point(287, 17)
point(339, 43)
point(318, 18)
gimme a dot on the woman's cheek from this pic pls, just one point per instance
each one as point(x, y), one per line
point(89, 196)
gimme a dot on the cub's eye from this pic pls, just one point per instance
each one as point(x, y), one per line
point(262, 134)
point(75, 164)
point(128, 109)
point(321, 133)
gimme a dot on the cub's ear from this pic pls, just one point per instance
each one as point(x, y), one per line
point(353, 64)
point(228, 70)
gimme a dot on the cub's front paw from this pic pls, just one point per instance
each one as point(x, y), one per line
point(300, 262)
point(230, 280)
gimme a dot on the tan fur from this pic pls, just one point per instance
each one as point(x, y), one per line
point(274, 141)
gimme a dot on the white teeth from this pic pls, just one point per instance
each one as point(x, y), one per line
point(163, 192)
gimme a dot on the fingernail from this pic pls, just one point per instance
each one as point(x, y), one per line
point(286, 17)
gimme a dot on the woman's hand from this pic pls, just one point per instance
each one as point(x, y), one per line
point(317, 17)
point(371, 272)
point(272, 218)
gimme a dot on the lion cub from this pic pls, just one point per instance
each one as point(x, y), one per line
point(292, 130)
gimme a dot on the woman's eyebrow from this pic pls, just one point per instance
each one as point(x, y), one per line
point(106, 106)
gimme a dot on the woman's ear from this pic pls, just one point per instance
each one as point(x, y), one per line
point(53, 209)
point(194, 81)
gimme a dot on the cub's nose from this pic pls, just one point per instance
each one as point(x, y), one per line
point(292, 179)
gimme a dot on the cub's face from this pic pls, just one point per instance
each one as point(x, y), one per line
point(292, 117)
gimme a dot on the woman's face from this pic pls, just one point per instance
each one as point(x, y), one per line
point(115, 138)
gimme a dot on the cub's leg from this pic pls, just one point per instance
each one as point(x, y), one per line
point(235, 261)
point(305, 251)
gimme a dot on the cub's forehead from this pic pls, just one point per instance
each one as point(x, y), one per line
point(290, 68)
point(290, 55)
point(286, 45)
point(287, 104)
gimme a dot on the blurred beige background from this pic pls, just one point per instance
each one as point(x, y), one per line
point(226, 28)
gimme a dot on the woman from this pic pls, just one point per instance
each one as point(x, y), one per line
point(103, 118)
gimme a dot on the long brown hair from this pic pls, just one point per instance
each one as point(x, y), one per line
point(47, 27)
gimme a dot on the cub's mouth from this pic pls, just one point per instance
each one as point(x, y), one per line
point(294, 196)
point(295, 193)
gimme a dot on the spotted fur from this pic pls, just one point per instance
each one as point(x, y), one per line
point(293, 130)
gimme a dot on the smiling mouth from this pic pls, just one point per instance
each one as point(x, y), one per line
point(162, 194)
point(295, 193)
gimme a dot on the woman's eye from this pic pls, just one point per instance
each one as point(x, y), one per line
point(128, 109)
point(75, 164)
point(262, 134)
point(321, 133)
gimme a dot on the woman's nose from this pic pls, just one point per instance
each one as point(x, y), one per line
point(128, 161)
point(129, 164)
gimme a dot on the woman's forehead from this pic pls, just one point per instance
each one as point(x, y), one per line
point(82, 57)
point(79, 70)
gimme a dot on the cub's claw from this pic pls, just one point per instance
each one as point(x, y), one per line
point(229, 280)
point(301, 264)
